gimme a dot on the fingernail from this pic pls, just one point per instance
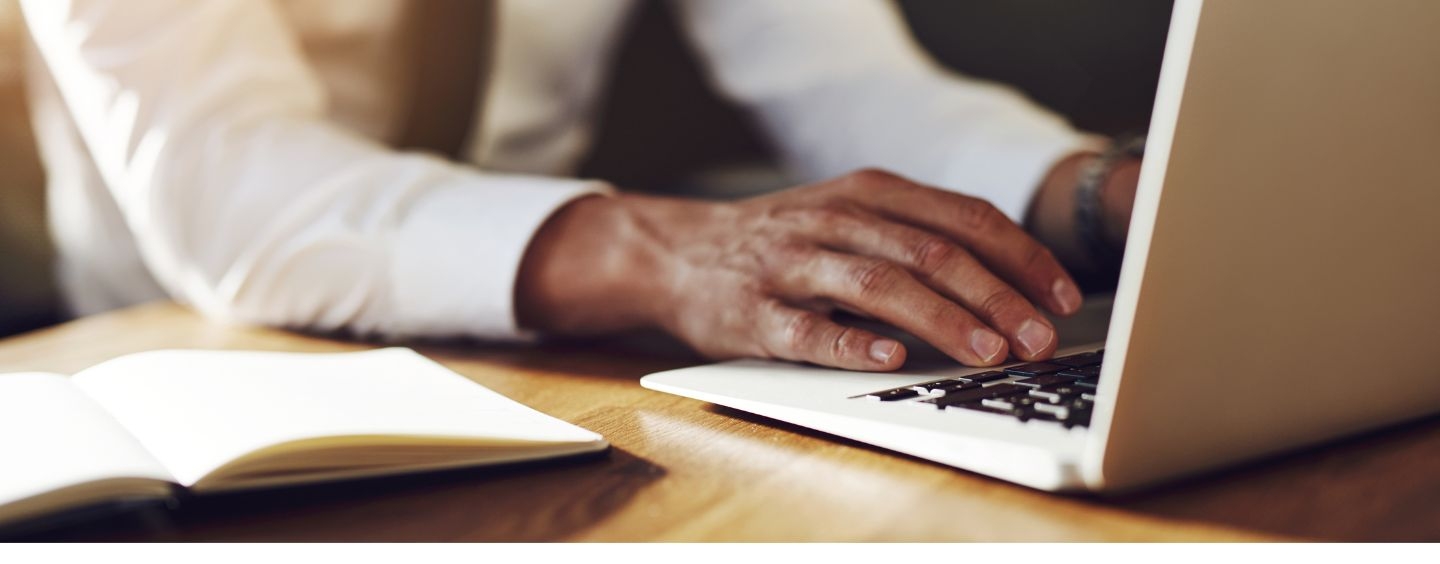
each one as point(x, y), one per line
point(1067, 295)
point(883, 350)
point(986, 343)
point(1035, 336)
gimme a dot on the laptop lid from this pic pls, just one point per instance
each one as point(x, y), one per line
point(1280, 283)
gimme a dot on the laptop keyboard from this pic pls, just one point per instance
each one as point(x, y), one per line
point(1059, 390)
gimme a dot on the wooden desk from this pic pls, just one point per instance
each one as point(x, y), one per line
point(685, 470)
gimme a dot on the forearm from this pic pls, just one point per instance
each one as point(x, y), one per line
point(328, 233)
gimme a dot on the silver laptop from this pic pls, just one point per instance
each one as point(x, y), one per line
point(1280, 287)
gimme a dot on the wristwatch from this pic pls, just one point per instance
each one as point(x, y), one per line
point(1090, 211)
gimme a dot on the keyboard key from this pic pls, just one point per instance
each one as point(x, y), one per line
point(984, 377)
point(893, 395)
point(977, 406)
point(1010, 403)
point(1042, 416)
point(1077, 360)
point(936, 386)
point(1056, 394)
point(1087, 396)
point(943, 387)
point(1046, 380)
point(1070, 414)
point(1084, 372)
point(1079, 415)
point(1034, 369)
point(958, 386)
point(1080, 404)
point(1059, 411)
point(977, 394)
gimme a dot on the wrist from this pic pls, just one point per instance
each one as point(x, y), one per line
point(1051, 216)
point(1117, 199)
point(1054, 221)
point(590, 269)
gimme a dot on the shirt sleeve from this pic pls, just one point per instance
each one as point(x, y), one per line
point(209, 130)
point(841, 84)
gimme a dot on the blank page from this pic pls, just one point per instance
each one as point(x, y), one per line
point(197, 410)
point(52, 437)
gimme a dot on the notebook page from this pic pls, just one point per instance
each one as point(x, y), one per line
point(197, 410)
point(52, 436)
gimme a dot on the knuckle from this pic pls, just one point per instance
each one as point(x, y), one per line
point(873, 278)
point(943, 314)
point(870, 176)
point(781, 263)
point(829, 216)
point(838, 215)
point(980, 215)
point(791, 250)
point(932, 255)
point(998, 302)
point(845, 345)
point(800, 330)
point(1038, 257)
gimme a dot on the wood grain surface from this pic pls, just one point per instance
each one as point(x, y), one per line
point(684, 470)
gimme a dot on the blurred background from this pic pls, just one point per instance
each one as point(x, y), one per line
point(664, 130)
point(1096, 62)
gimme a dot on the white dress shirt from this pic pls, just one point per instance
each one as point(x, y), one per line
point(236, 155)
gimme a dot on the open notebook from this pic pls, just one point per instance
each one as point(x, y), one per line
point(135, 427)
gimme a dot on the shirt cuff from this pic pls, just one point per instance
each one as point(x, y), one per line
point(1010, 166)
point(459, 254)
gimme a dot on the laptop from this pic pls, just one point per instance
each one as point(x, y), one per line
point(1280, 285)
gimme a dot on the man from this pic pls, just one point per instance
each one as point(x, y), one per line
point(241, 156)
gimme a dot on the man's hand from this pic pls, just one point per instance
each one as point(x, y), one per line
point(758, 278)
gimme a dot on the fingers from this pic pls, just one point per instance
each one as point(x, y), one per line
point(976, 225)
point(796, 334)
point(887, 292)
point(951, 271)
